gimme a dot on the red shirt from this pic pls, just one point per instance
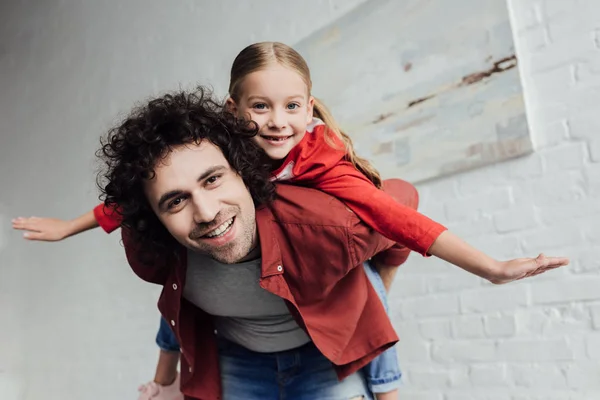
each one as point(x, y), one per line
point(312, 247)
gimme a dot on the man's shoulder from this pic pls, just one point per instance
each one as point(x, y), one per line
point(310, 223)
point(155, 270)
point(307, 206)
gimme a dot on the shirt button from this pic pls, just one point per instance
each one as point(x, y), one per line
point(172, 322)
point(174, 286)
point(190, 369)
point(279, 268)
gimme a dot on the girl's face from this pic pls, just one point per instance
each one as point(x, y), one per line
point(277, 99)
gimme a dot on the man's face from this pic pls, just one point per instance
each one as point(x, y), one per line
point(203, 203)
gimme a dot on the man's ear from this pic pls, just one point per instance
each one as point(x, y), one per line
point(231, 106)
point(311, 107)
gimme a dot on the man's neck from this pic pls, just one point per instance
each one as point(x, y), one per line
point(252, 254)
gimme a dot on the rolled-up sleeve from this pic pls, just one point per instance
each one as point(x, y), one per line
point(108, 218)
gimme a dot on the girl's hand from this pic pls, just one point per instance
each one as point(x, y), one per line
point(508, 271)
point(43, 229)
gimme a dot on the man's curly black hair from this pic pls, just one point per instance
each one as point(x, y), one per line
point(131, 151)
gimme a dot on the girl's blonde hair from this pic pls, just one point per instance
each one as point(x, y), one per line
point(258, 56)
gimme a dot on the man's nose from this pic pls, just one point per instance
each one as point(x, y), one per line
point(205, 209)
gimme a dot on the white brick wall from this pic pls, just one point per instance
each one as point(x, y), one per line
point(537, 339)
point(78, 325)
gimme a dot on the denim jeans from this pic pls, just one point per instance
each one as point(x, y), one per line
point(383, 373)
point(298, 374)
point(165, 338)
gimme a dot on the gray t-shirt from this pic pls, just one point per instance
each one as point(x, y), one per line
point(244, 312)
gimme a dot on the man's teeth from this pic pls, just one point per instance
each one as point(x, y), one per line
point(221, 230)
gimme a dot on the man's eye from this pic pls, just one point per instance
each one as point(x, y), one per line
point(213, 179)
point(175, 202)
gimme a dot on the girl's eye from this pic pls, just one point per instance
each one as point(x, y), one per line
point(293, 106)
point(260, 106)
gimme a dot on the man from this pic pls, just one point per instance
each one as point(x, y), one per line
point(249, 271)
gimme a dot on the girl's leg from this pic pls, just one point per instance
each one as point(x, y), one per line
point(166, 369)
point(165, 385)
point(383, 373)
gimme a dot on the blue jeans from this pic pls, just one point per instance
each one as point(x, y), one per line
point(298, 374)
point(165, 338)
point(383, 373)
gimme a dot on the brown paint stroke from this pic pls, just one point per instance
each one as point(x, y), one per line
point(504, 64)
point(501, 65)
point(382, 117)
point(421, 100)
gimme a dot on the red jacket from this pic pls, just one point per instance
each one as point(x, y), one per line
point(108, 218)
point(315, 163)
point(312, 248)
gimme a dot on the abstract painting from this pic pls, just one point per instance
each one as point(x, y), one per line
point(425, 88)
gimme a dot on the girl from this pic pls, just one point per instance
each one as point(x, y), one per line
point(270, 84)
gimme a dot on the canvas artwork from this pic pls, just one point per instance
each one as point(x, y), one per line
point(425, 88)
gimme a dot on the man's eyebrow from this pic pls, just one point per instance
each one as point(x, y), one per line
point(168, 196)
point(210, 171)
point(177, 192)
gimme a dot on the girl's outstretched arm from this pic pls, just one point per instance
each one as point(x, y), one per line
point(53, 229)
point(452, 249)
